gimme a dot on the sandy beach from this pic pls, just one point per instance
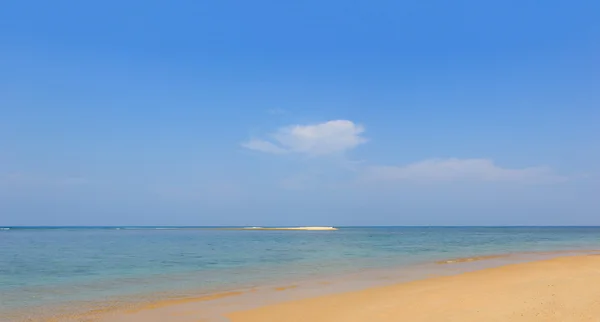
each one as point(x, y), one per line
point(560, 289)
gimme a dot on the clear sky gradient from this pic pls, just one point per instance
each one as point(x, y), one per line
point(435, 112)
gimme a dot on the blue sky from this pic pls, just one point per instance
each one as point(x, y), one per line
point(299, 113)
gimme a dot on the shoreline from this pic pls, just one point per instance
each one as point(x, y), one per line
point(213, 306)
point(557, 289)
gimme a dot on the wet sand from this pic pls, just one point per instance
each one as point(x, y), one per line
point(560, 289)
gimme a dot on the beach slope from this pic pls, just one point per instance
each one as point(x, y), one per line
point(562, 289)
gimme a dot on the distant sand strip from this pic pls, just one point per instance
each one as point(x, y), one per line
point(281, 228)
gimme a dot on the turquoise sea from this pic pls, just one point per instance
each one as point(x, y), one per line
point(44, 267)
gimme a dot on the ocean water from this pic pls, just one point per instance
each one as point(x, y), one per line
point(52, 267)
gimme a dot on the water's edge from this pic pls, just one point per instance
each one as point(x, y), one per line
point(215, 304)
point(64, 270)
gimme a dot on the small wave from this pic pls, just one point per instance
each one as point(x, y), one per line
point(2, 228)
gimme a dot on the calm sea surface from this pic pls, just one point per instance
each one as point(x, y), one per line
point(42, 267)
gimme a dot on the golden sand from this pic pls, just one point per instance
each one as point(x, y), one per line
point(171, 302)
point(563, 289)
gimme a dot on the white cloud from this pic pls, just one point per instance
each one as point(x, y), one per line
point(446, 170)
point(331, 137)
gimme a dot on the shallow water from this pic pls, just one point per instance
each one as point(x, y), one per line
point(45, 267)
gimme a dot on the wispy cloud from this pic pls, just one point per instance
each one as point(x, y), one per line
point(333, 137)
point(276, 111)
point(339, 136)
point(453, 169)
point(263, 146)
point(197, 191)
point(20, 179)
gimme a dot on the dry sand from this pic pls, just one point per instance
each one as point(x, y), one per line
point(562, 289)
